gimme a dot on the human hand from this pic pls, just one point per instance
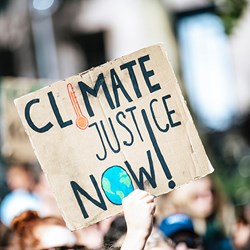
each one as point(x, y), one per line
point(139, 208)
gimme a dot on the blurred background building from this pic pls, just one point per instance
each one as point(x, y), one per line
point(207, 42)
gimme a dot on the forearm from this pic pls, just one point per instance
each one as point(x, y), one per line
point(134, 241)
point(138, 208)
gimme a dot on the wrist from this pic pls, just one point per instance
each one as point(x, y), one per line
point(132, 242)
point(135, 239)
point(140, 233)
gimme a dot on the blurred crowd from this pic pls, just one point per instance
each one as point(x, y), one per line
point(198, 215)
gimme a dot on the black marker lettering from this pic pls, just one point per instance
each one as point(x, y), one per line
point(104, 148)
point(129, 67)
point(154, 118)
point(126, 143)
point(77, 189)
point(171, 183)
point(43, 129)
point(116, 83)
point(107, 138)
point(142, 171)
point(170, 112)
point(148, 74)
point(86, 89)
point(131, 109)
point(57, 114)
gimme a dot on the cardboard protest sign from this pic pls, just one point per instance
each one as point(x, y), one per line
point(120, 126)
point(15, 144)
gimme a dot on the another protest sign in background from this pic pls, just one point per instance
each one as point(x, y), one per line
point(15, 144)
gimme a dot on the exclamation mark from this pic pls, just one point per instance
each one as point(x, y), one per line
point(81, 120)
point(171, 183)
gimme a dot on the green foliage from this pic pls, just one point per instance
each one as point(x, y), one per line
point(230, 11)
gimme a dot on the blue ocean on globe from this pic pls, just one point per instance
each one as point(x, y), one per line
point(116, 184)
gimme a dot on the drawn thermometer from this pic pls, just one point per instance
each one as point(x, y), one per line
point(81, 120)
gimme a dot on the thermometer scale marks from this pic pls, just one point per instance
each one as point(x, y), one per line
point(81, 120)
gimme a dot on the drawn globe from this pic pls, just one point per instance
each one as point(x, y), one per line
point(116, 184)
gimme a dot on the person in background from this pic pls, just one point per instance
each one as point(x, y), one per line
point(32, 232)
point(48, 202)
point(116, 232)
point(21, 176)
point(180, 230)
point(91, 236)
point(241, 232)
point(157, 241)
point(6, 236)
point(21, 180)
point(204, 201)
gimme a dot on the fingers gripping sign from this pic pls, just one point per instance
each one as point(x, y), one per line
point(139, 208)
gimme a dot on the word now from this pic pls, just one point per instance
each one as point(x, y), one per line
point(79, 192)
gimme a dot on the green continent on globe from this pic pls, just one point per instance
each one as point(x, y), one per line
point(125, 179)
point(120, 194)
point(107, 185)
point(116, 184)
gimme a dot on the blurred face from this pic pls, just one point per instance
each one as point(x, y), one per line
point(202, 201)
point(91, 237)
point(17, 178)
point(54, 236)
